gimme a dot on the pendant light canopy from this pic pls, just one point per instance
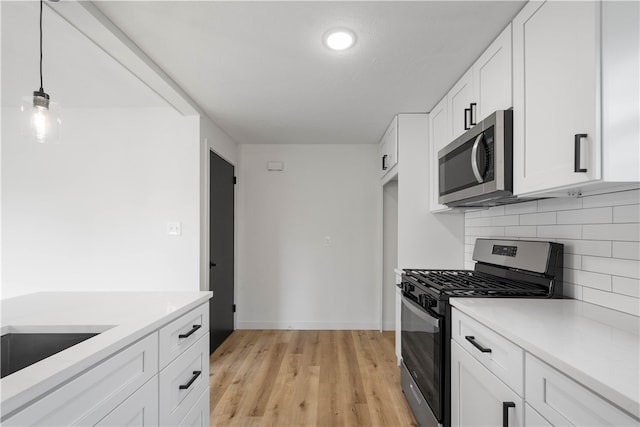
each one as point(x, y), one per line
point(41, 116)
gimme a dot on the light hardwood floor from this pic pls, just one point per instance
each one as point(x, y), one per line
point(307, 378)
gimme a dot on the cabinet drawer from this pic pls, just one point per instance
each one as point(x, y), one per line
point(140, 409)
point(564, 402)
point(175, 402)
point(90, 397)
point(194, 324)
point(198, 416)
point(505, 359)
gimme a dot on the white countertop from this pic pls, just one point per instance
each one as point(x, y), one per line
point(598, 347)
point(122, 317)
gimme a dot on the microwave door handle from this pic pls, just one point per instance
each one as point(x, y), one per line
point(474, 159)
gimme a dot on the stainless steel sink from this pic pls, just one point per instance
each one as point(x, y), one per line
point(20, 350)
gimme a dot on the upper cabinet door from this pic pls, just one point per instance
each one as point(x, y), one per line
point(459, 99)
point(555, 52)
point(492, 78)
point(439, 136)
point(389, 148)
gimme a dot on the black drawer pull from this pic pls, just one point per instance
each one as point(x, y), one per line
point(471, 339)
point(576, 152)
point(472, 113)
point(505, 412)
point(188, 334)
point(195, 376)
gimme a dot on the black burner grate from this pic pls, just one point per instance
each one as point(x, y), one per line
point(473, 283)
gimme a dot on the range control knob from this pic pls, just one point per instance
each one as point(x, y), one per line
point(430, 302)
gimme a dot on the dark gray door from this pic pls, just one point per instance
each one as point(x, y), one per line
point(221, 306)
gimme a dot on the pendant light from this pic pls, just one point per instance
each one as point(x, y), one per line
point(41, 116)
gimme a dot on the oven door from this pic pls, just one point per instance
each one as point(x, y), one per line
point(423, 352)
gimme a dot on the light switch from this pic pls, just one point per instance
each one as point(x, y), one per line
point(174, 228)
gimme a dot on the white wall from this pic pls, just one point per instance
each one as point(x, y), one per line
point(90, 213)
point(601, 237)
point(425, 240)
point(288, 276)
point(389, 253)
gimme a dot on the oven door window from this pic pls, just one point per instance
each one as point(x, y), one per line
point(470, 164)
point(422, 348)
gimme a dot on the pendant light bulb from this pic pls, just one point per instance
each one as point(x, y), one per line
point(41, 117)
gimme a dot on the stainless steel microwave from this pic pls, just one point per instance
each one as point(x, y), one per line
point(476, 169)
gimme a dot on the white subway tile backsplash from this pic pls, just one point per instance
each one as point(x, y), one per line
point(601, 237)
point(626, 250)
point(628, 213)
point(619, 267)
point(586, 216)
point(479, 222)
point(521, 231)
point(496, 211)
point(623, 232)
point(521, 208)
point(612, 300)
point(572, 291)
point(559, 204)
point(538, 218)
point(612, 199)
point(626, 286)
point(560, 231)
point(587, 247)
point(572, 261)
point(477, 213)
point(505, 220)
point(587, 278)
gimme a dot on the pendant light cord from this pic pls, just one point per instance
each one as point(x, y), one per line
point(41, 85)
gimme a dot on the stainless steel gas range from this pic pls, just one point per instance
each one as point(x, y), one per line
point(504, 268)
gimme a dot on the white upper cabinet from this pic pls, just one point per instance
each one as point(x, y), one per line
point(459, 100)
point(439, 136)
point(492, 78)
point(484, 88)
point(389, 148)
point(560, 95)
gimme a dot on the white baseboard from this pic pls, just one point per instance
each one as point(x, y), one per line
point(308, 325)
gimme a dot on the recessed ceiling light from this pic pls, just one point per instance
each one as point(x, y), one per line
point(339, 39)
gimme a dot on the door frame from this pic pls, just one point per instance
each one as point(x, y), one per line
point(206, 226)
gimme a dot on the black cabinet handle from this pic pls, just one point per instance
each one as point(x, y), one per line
point(384, 162)
point(467, 112)
point(188, 334)
point(195, 376)
point(505, 412)
point(471, 339)
point(576, 152)
point(212, 264)
point(472, 113)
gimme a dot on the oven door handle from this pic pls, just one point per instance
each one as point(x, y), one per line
point(422, 313)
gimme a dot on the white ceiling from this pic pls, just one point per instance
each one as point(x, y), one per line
point(260, 71)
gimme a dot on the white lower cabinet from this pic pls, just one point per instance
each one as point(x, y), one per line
point(140, 409)
point(198, 416)
point(481, 383)
point(149, 383)
point(182, 382)
point(88, 398)
point(478, 397)
point(564, 402)
point(533, 419)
